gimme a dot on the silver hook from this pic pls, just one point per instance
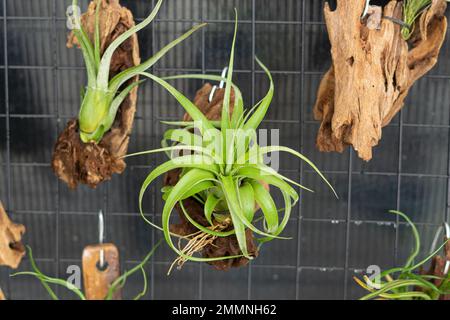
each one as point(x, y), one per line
point(221, 85)
point(101, 237)
point(366, 9)
point(445, 227)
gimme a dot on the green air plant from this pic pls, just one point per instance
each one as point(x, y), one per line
point(412, 9)
point(118, 284)
point(404, 283)
point(223, 169)
point(102, 98)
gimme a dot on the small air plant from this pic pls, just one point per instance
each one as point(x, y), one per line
point(101, 99)
point(116, 285)
point(412, 9)
point(405, 283)
point(223, 170)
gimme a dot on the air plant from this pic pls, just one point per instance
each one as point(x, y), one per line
point(223, 170)
point(102, 98)
point(118, 284)
point(412, 9)
point(404, 283)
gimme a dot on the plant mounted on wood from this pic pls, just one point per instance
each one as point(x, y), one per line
point(411, 281)
point(115, 286)
point(375, 61)
point(220, 178)
point(90, 148)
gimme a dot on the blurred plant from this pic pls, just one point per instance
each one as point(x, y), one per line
point(118, 284)
point(101, 99)
point(405, 283)
point(226, 174)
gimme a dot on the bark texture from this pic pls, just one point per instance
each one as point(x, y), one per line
point(76, 162)
point(223, 246)
point(11, 248)
point(372, 71)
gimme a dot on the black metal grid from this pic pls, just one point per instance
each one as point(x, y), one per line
point(332, 240)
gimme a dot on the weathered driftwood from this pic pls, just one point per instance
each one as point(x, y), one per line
point(11, 248)
point(73, 161)
point(223, 246)
point(373, 69)
point(96, 280)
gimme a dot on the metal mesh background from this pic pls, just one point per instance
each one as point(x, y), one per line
point(333, 239)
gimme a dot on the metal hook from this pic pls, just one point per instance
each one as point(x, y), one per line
point(445, 227)
point(366, 9)
point(101, 237)
point(221, 85)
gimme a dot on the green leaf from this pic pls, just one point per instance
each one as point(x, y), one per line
point(210, 205)
point(103, 72)
point(268, 207)
point(247, 200)
point(126, 75)
point(255, 120)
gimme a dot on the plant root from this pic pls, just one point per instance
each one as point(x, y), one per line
point(372, 72)
point(76, 162)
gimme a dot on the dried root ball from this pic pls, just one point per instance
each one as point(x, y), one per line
point(372, 71)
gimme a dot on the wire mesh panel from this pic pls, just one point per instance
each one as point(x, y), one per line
point(332, 239)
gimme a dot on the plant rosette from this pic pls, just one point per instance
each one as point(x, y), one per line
point(223, 174)
point(377, 55)
point(90, 149)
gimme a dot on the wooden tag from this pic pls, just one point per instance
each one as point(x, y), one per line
point(97, 281)
point(2, 296)
point(11, 248)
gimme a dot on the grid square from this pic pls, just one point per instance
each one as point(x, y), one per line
point(281, 10)
point(218, 40)
point(321, 284)
point(27, 8)
point(27, 48)
point(423, 199)
point(186, 281)
point(373, 196)
point(425, 150)
point(322, 244)
point(25, 195)
point(272, 49)
point(37, 93)
point(32, 140)
point(371, 244)
point(317, 49)
point(272, 283)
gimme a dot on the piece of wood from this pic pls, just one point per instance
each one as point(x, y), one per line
point(373, 69)
point(96, 281)
point(11, 248)
point(2, 296)
point(76, 162)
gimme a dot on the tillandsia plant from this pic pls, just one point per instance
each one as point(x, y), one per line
point(223, 169)
point(103, 96)
point(406, 283)
point(412, 9)
point(117, 284)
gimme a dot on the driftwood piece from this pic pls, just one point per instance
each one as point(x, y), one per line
point(73, 161)
point(223, 246)
point(373, 69)
point(11, 248)
point(96, 280)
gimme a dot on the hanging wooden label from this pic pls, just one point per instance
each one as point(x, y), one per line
point(11, 248)
point(98, 279)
